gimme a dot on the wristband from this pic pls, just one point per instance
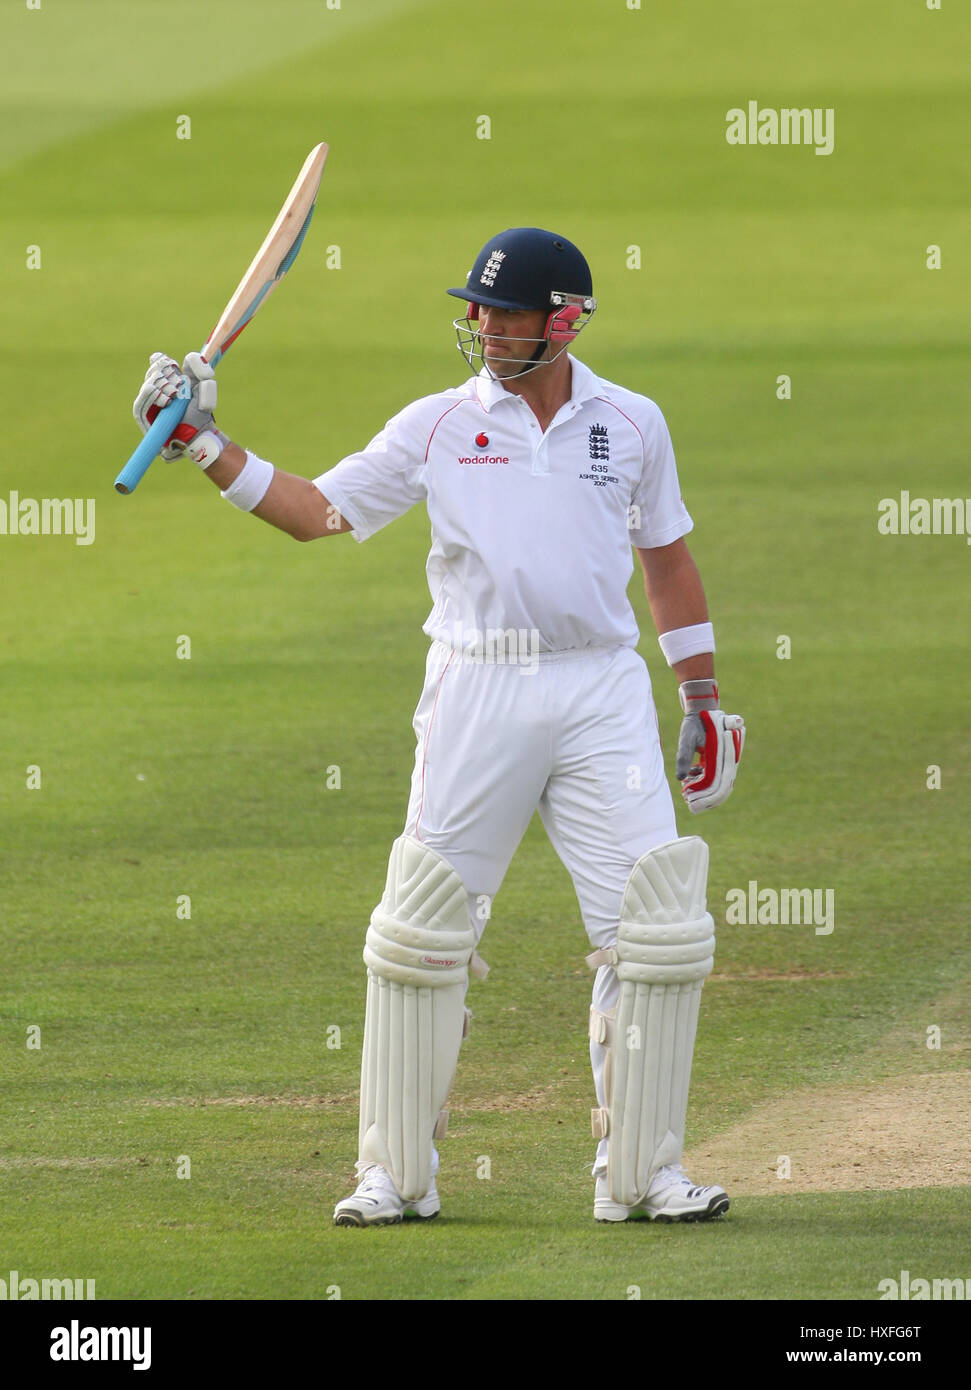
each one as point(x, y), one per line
point(682, 642)
point(251, 483)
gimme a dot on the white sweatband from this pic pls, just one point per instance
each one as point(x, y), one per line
point(682, 642)
point(251, 483)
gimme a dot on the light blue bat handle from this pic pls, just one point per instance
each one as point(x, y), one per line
point(152, 444)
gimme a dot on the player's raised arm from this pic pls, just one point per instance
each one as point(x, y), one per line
point(285, 500)
point(289, 502)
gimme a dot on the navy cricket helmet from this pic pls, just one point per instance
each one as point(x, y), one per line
point(520, 269)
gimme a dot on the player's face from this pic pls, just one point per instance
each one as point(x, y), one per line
point(509, 337)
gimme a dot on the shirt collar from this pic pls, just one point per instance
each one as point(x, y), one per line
point(584, 386)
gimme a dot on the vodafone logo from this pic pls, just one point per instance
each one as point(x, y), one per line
point(482, 442)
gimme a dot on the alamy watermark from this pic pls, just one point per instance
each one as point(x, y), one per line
point(48, 516)
point(21, 1288)
point(772, 907)
point(787, 125)
point(923, 1290)
point(500, 646)
point(77, 1343)
point(924, 516)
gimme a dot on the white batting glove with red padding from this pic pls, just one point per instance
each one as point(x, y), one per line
point(196, 434)
point(716, 738)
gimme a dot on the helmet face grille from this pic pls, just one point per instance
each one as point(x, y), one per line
point(563, 325)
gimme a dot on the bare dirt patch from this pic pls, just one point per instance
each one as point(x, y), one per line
point(910, 1131)
point(539, 1098)
point(260, 1102)
point(767, 974)
point(108, 1162)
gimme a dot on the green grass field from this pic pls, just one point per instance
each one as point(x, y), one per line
point(165, 1037)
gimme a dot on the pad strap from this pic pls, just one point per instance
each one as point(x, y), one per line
point(602, 1026)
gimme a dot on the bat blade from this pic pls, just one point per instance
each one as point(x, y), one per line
point(268, 267)
point(273, 259)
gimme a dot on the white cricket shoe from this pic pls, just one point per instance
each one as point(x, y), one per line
point(377, 1203)
point(671, 1197)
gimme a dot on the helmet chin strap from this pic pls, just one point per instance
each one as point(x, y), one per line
point(527, 366)
point(524, 370)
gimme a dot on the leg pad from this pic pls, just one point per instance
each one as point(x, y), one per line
point(665, 950)
point(417, 952)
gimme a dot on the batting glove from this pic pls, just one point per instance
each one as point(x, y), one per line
point(196, 434)
point(716, 738)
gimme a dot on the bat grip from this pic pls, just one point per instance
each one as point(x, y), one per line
point(153, 443)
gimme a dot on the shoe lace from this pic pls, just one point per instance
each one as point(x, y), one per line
point(374, 1176)
point(670, 1175)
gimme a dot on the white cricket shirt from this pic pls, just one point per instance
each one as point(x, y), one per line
point(530, 531)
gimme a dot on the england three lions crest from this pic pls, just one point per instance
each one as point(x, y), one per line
point(491, 270)
point(599, 443)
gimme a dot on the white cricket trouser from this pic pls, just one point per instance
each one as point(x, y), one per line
point(574, 737)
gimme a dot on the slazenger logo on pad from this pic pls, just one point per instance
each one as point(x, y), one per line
point(483, 458)
point(437, 960)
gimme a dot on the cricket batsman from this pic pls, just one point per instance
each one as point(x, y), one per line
point(539, 478)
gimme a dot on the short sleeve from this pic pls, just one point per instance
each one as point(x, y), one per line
point(658, 515)
point(383, 481)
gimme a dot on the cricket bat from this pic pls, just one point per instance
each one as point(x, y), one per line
point(269, 265)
